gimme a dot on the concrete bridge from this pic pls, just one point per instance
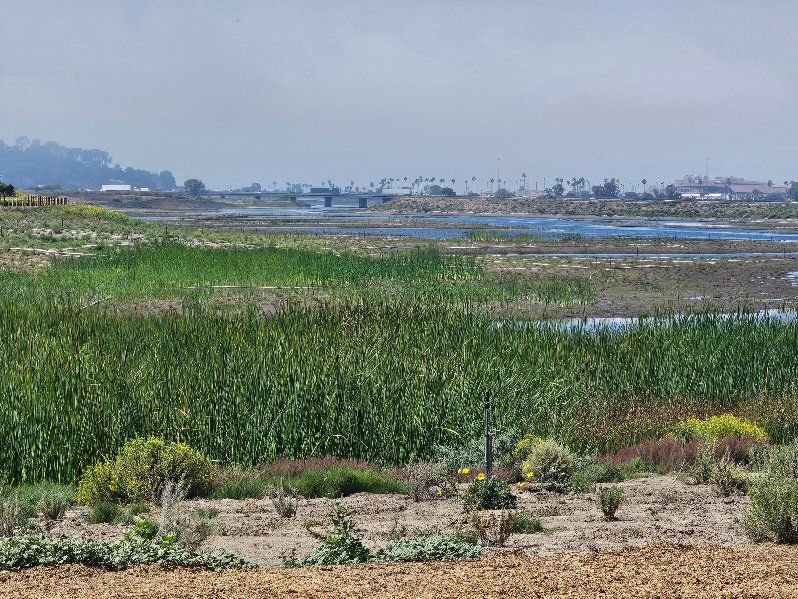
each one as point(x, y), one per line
point(362, 199)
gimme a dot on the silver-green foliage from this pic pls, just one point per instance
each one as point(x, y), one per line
point(26, 551)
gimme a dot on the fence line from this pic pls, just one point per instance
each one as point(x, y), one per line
point(32, 201)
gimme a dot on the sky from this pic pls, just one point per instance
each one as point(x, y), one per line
point(234, 92)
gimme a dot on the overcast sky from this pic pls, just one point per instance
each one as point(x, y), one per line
point(239, 91)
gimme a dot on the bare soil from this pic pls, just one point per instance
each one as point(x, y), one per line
point(657, 509)
point(654, 570)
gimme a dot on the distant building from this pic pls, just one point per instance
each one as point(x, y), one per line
point(116, 188)
point(730, 188)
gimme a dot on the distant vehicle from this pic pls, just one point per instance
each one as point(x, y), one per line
point(404, 191)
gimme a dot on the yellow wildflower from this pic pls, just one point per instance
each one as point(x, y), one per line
point(464, 471)
point(481, 476)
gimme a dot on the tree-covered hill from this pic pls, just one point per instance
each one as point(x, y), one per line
point(31, 163)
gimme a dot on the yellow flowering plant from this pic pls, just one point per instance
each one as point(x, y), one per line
point(717, 427)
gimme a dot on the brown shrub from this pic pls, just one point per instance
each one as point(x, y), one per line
point(668, 454)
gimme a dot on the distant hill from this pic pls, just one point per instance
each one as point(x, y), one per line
point(28, 164)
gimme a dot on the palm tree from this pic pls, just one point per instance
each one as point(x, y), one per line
point(491, 184)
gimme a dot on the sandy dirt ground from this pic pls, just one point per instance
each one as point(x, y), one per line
point(657, 509)
point(654, 570)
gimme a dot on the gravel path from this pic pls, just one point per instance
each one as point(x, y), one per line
point(650, 571)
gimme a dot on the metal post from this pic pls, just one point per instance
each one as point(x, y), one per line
point(488, 440)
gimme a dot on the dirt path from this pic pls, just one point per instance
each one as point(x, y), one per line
point(650, 571)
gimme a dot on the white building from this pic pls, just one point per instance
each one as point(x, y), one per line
point(116, 188)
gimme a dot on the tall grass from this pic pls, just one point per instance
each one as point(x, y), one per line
point(383, 381)
point(170, 270)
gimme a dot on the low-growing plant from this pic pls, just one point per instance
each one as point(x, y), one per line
point(49, 500)
point(700, 472)
point(291, 468)
point(284, 498)
point(492, 528)
point(659, 455)
point(11, 518)
point(26, 551)
point(727, 477)
point(176, 524)
point(239, 483)
point(590, 472)
point(525, 523)
point(342, 481)
point(420, 477)
point(609, 498)
point(338, 545)
point(633, 468)
point(141, 469)
point(105, 512)
point(488, 493)
point(548, 464)
point(208, 513)
point(773, 512)
point(433, 547)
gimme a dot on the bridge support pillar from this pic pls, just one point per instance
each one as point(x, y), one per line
point(292, 198)
point(328, 201)
point(362, 202)
point(257, 197)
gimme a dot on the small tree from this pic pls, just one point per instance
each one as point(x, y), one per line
point(194, 187)
point(6, 189)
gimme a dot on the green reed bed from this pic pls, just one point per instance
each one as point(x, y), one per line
point(379, 381)
point(172, 271)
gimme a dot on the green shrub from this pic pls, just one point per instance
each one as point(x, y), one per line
point(525, 524)
point(434, 547)
point(105, 512)
point(633, 467)
point(340, 545)
point(27, 551)
point(548, 464)
point(342, 481)
point(727, 477)
point(609, 499)
point(238, 483)
point(141, 469)
point(488, 493)
point(715, 428)
point(49, 500)
point(700, 472)
point(773, 513)
point(590, 472)
point(11, 518)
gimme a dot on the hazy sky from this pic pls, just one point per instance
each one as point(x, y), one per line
point(240, 91)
